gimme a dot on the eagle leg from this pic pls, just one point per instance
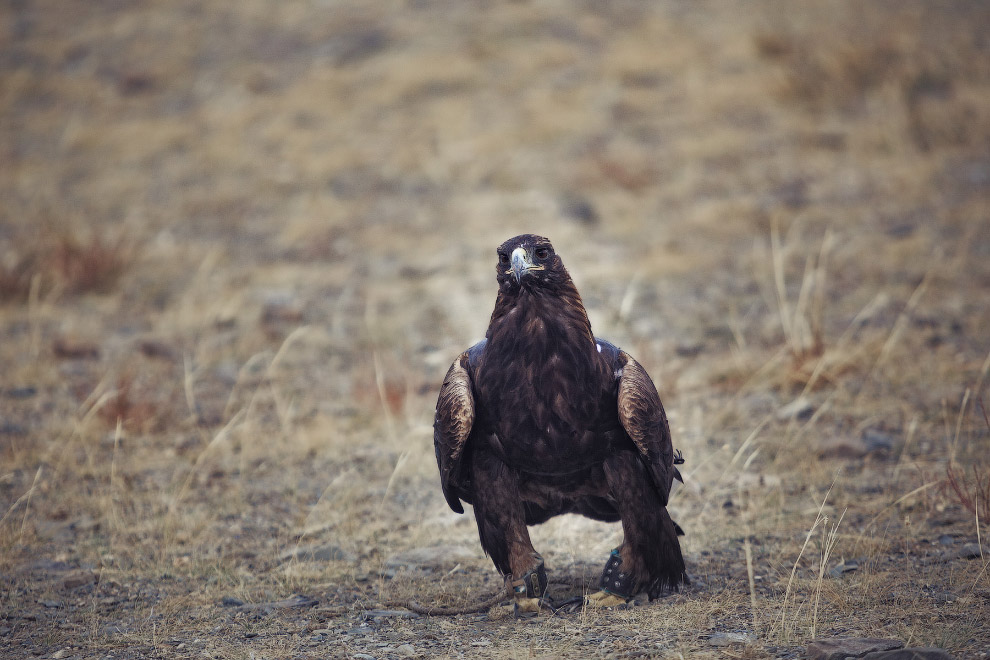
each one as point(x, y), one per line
point(501, 518)
point(617, 587)
point(528, 591)
point(650, 553)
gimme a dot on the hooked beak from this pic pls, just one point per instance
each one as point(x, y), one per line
point(520, 263)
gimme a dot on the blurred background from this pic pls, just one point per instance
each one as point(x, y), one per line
point(240, 243)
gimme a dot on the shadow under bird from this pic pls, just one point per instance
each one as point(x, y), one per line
point(542, 418)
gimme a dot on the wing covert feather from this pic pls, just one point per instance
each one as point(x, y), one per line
point(452, 426)
point(644, 420)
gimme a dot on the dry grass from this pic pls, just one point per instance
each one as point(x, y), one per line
point(240, 244)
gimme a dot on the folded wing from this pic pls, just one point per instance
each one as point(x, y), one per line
point(644, 420)
point(452, 426)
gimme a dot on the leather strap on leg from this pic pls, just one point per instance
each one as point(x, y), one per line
point(614, 581)
point(533, 584)
point(528, 590)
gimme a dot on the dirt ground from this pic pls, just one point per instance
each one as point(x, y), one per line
point(240, 243)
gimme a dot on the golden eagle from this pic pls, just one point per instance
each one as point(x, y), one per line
point(543, 418)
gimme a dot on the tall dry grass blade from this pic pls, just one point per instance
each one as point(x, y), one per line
point(902, 320)
point(188, 383)
point(747, 547)
point(34, 315)
point(954, 445)
point(919, 489)
point(218, 438)
point(268, 379)
point(818, 303)
point(239, 381)
point(777, 259)
point(629, 297)
point(308, 526)
point(819, 518)
point(26, 498)
point(736, 328)
point(399, 463)
point(829, 540)
point(749, 439)
point(383, 397)
point(982, 379)
point(282, 408)
point(113, 520)
point(979, 540)
point(803, 325)
point(79, 426)
point(902, 459)
point(804, 335)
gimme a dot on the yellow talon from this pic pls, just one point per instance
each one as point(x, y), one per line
point(604, 599)
point(527, 604)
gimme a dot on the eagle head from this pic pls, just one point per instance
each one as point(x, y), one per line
point(528, 261)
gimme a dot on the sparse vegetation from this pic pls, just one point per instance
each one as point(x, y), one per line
point(237, 253)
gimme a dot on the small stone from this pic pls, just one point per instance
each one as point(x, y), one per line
point(842, 447)
point(580, 209)
point(362, 656)
point(9, 428)
point(946, 539)
point(281, 307)
point(21, 392)
point(689, 350)
point(914, 653)
point(844, 567)
point(62, 653)
point(877, 441)
point(51, 604)
point(968, 551)
point(78, 579)
point(840, 648)
point(73, 348)
point(406, 650)
point(730, 638)
point(799, 409)
point(157, 349)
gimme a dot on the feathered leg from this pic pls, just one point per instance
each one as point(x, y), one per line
point(650, 555)
point(501, 519)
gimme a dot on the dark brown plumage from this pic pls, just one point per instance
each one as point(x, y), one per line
point(542, 418)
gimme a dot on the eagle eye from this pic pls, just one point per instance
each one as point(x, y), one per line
point(503, 258)
point(542, 253)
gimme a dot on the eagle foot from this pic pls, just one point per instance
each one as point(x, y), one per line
point(603, 599)
point(614, 581)
point(525, 608)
